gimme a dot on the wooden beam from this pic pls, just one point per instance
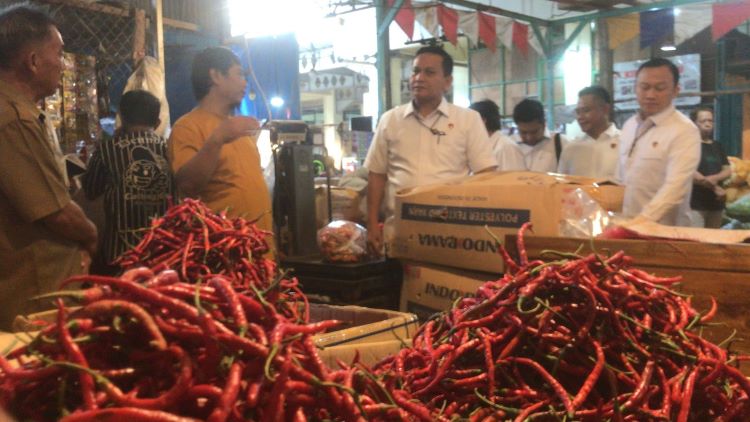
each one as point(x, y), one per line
point(174, 23)
point(117, 11)
point(158, 10)
point(112, 10)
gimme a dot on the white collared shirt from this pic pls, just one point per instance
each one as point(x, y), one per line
point(657, 168)
point(591, 157)
point(410, 154)
point(519, 156)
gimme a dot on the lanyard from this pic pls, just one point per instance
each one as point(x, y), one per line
point(640, 131)
point(432, 129)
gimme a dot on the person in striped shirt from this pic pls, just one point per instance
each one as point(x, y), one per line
point(132, 171)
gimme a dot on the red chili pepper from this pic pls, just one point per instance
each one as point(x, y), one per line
point(687, 396)
point(593, 377)
point(75, 356)
point(228, 398)
point(120, 414)
point(224, 288)
point(109, 307)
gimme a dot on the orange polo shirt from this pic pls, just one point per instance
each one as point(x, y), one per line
point(237, 185)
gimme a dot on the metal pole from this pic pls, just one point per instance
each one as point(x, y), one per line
point(383, 58)
point(605, 55)
point(550, 93)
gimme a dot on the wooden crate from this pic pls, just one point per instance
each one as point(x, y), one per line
point(721, 271)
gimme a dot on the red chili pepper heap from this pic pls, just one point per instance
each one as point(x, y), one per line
point(196, 242)
point(578, 338)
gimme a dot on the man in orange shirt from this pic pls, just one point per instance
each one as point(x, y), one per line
point(212, 152)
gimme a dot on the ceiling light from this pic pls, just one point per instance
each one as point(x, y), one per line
point(668, 48)
point(277, 102)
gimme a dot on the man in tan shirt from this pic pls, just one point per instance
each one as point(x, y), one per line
point(42, 231)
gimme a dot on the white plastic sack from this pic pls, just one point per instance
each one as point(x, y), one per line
point(148, 76)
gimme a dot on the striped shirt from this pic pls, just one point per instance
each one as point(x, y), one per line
point(132, 172)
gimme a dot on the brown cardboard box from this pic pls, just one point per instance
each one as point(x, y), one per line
point(359, 324)
point(445, 223)
point(369, 353)
point(345, 205)
point(363, 325)
point(428, 289)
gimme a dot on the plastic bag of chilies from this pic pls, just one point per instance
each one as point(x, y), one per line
point(343, 241)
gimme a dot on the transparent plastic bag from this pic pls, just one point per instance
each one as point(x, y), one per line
point(582, 216)
point(343, 241)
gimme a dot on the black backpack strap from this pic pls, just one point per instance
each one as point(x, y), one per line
point(558, 147)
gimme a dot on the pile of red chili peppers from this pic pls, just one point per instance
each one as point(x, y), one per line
point(185, 344)
point(196, 242)
point(136, 349)
point(584, 338)
point(213, 332)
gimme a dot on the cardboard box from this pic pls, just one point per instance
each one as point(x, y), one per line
point(369, 353)
point(445, 223)
point(428, 289)
point(359, 324)
point(345, 205)
point(363, 325)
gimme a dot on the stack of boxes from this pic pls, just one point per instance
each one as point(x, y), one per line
point(447, 234)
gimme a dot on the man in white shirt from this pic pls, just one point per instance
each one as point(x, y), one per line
point(533, 148)
point(659, 149)
point(595, 153)
point(490, 113)
point(424, 141)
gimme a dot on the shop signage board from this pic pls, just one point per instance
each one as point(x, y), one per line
point(689, 66)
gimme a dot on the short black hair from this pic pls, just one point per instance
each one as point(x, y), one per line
point(139, 107)
point(490, 112)
point(659, 62)
point(218, 58)
point(695, 111)
point(528, 111)
point(447, 59)
point(21, 25)
point(597, 91)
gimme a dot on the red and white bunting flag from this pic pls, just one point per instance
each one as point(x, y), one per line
point(448, 19)
point(405, 17)
point(428, 18)
point(504, 31)
point(692, 19)
point(487, 30)
point(535, 42)
point(468, 23)
point(521, 37)
point(728, 16)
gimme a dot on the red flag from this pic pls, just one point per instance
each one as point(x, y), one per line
point(727, 16)
point(487, 30)
point(448, 19)
point(521, 37)
point(405, 17)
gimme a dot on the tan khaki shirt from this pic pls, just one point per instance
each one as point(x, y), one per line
point(33, 260)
